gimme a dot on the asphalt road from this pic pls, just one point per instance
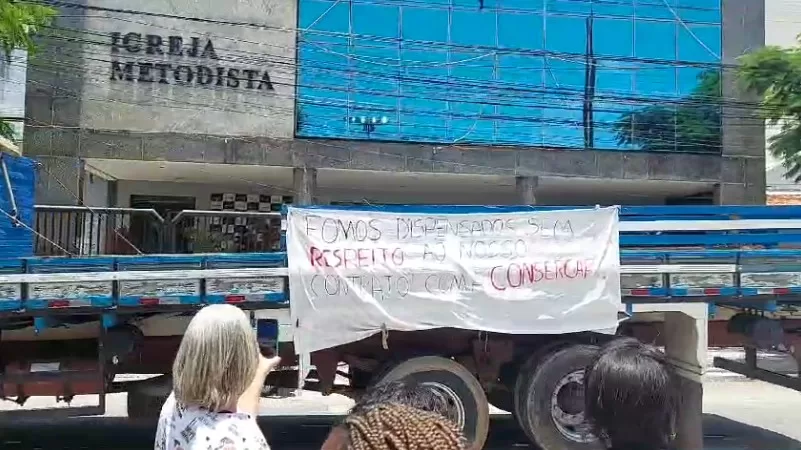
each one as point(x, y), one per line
point(307, 433)
point(740, 415)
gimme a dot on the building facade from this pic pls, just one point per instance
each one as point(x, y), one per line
point(581, 102)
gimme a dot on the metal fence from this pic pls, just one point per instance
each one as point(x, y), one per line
point(73, 230)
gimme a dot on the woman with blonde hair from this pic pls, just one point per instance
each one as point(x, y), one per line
point(218, 375)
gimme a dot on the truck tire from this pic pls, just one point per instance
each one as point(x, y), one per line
point(146, 398)
point(524, 374)
point(456, 384)
point(549, 399)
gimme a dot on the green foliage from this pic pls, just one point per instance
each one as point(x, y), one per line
point(775, 74)
point(690, 124)
point(6, 130)
point(19, 22)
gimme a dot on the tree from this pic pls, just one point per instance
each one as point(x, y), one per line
point(19, 23)
point(687, 124)
point(774, 73)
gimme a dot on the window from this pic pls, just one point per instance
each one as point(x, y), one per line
point(515, 72)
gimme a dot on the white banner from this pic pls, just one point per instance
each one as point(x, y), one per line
point(353, 273)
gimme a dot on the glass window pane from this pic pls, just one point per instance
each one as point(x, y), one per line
point(616, 8)
point(566, 34)
point(613, 78)
point(434, 30)
point(562, 123)
point(580, 7)
point(656, 80)
point(519, 125)
point(656, 9)
point(523, 72)
point(424, 120)
point(699, 11)
point(489, 5)
point(653, 128)
point(473, 28)
point(699, 43)
point(613, 37)
point(565, 74)
point(323, 15)
point(375, 20)
point(610, 128)
point(522, 31)
point(519, 94)
point(471, 122)
point(655, 40)
point(522, 5)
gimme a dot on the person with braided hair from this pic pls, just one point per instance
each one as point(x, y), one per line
point(397, 416)
point(393, 426)
point(417, 396)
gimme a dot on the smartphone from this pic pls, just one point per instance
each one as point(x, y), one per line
point(267, 336)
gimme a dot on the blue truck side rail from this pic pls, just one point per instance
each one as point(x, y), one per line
point(748, 256)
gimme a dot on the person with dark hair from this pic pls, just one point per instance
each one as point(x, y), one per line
point(397, 416)
point(632, 396)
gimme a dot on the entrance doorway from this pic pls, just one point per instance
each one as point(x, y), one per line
point(165, 239)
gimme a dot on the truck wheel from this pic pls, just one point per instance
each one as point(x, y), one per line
point(146, 398)
point(549, 400)
point(456, 385)
point(524, 374)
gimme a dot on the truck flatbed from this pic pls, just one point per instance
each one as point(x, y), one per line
point(680, 264)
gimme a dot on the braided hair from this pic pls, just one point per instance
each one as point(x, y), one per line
point(403, 392)
point(393, 426)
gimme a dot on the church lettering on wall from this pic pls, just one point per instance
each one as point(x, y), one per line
point(151, 58)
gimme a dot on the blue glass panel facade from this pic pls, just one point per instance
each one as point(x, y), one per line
point(606, 74)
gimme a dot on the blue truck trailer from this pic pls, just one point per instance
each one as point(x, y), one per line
point(71, 326)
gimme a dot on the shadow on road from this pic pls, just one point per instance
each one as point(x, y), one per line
point(721, 433)
point(308, 432)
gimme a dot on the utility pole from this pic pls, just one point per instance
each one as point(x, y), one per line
point(590, 65)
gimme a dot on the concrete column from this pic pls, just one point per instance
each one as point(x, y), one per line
point(686, 346)
point(740, 193)
point(743, 130)
point(686, 339)
point(304, 182)
point(525, 189)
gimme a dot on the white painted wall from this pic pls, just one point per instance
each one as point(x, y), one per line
point(12, 89)
point(782, 28)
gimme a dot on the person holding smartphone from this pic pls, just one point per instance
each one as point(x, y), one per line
point(218, 375)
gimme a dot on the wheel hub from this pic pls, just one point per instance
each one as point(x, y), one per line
point(567, 408)
point(449, 396)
